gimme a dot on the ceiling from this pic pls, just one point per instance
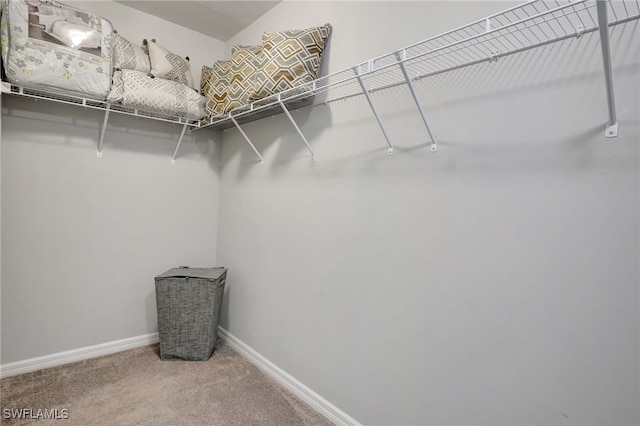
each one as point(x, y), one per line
point(215, 18)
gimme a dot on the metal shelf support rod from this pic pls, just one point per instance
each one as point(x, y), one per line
point(246, 137)
point(373, 108)
point(175, 152)
point(612, 125)
point(401, 57)
point(102, 131)
point(306, 142)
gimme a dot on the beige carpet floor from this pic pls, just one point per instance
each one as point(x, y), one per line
point(135, 387)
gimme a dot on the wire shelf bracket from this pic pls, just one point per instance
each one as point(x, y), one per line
point(304, 139)
point(175, 152)
point(103, 130)
point(611, 130)
point(402, 57)
point(357, 70)
point(244, 135)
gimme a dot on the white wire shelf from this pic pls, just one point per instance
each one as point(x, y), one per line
point(526, 26)
point(69, 99)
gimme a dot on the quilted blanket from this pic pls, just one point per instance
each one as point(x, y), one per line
point(51, 46)
point(135, 89)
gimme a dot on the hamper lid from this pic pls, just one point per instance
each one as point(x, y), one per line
point(208, 273)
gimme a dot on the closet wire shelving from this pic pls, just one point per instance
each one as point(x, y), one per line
point(529, 25)
point(63, 98)
point(523, 27)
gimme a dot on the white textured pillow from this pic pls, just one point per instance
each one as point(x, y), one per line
point(169, 66)
point(128, 56)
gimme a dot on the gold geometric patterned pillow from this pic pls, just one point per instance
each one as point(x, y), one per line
point(215, 90)
point(241, 53)
point(289, 59)
point(204, 79)
point(230, 82)
point(243, 71)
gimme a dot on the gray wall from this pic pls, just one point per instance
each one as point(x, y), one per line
point(82, 237)
point(493, 282)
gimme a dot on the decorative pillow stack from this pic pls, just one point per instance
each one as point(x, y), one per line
point(285, 60)
point(290, 58)
point(151, 78)
point(151, 59)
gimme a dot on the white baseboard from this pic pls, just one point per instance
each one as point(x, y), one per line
point(66, 357)
point(321, 405)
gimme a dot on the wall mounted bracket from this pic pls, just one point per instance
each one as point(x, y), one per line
point(104, 128)
point(306, 142)
point(358, 73)
point(402, 56)
point(175, 152)
point(244, 135)
point(611, 130)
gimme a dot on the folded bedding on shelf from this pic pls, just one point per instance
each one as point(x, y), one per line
point(166, 98)
point(56, 47)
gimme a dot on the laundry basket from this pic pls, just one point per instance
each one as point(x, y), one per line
point(188, 302)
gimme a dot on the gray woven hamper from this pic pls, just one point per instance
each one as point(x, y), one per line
point(188, 302)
